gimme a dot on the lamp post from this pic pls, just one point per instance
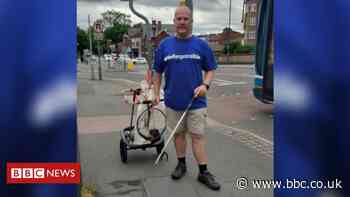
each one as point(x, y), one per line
point(90, 57)
point(149, 49)
point(229, 15)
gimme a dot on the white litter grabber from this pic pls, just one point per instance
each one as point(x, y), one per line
point(173, 132)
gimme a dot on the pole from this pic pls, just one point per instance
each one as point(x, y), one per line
point(125, 68)
point(229, 16)
point(149, 48)
point(90, 39)
point(99, 61)
point(227, 44)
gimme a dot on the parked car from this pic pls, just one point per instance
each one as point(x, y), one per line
point(94, 58)
point(108, 57)
point(114, 56)
point(139, 60)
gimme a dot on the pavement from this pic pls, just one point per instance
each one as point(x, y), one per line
point(233, 153)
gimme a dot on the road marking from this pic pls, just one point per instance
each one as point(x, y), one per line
point(221, 82)
point(137, 72)
point(252, 140)
point(236, 66)
point(235, 75)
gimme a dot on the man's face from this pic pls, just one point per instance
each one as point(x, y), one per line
point(183, 22)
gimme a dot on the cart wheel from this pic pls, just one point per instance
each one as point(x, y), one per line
point(159, 150)
point(123, 151)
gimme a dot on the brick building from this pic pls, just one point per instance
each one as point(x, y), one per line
point(217, 41)
point(137, 35)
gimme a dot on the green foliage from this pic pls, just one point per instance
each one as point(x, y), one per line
point(116, 25)
point(245, 49)
point(83, 41)
point(115, 33)
point(113, 18)
point(238, 48)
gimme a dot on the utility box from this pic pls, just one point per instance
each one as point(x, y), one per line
point(130, 66)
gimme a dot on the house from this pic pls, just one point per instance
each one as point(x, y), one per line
point(249, 20)
point(158, 38)
point(137, 35)
point(218, 41)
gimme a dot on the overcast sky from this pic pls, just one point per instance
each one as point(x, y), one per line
point(210, 16)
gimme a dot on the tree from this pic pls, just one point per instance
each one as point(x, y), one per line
point(83, 41)
point(233, 47)
point(115, 33)
point(113, 18)
point(116, 25)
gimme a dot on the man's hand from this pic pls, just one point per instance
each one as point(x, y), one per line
point(200, 91)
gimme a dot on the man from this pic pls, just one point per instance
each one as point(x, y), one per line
point(182, 58)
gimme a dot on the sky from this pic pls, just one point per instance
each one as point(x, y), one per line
point(210, 16)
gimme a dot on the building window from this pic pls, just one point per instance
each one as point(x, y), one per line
point(252, 20)
point(247, 7)
point(251, 35)
point(253, 8)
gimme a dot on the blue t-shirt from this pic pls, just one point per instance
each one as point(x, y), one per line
point(182, 62)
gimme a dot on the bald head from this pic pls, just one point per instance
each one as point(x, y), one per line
point(183, 9)
point(183, 22)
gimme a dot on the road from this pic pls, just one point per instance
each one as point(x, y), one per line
point(239, 128)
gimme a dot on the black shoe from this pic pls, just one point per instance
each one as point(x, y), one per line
point(179, 171)
point(208, 179)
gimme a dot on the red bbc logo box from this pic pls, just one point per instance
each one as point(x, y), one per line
point(63, 173)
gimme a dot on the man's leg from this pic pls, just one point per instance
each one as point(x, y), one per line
point(180, 147)
point(198, 148)
point(180, 142)
point(196, 125)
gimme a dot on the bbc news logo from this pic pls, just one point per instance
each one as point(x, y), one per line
point(63, 173)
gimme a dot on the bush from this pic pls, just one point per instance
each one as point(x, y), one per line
point(245, 49)
point(238, 48)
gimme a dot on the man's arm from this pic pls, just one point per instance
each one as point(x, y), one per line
point(156, 87)
point(202, 89)
point(208, 76)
